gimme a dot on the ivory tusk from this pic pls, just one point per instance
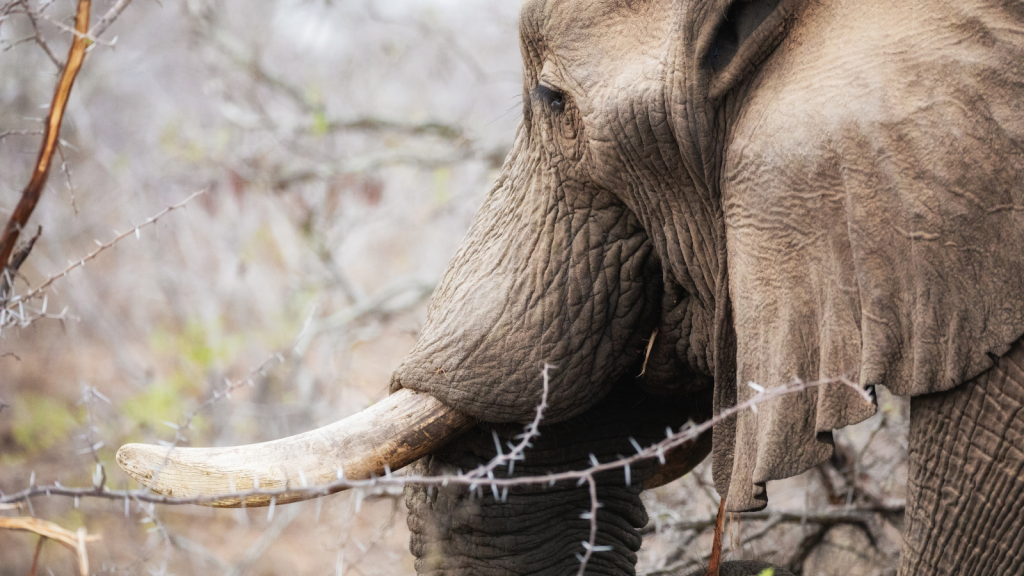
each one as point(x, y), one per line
point(392, 433)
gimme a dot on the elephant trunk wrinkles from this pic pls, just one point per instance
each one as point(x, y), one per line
point(966, 476)
point(555, 272)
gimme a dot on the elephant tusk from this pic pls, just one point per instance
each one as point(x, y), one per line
point(388, 435)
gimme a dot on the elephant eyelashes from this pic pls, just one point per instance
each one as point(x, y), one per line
point(553, 99)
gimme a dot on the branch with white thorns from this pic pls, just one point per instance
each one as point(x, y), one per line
point(16, 313)
point(471, 479)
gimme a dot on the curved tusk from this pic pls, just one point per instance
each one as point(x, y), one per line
point(394, 432)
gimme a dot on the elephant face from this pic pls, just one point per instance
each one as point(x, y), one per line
point(593, 237)
point(781, 189)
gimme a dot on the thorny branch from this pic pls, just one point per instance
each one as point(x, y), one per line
point(471, 479)
point(865, 518)
point(32, 192)
point(13, 311)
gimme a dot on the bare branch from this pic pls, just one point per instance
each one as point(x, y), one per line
point(109, 18)
point(657, 450)
point(75, 541)
point(34, 189)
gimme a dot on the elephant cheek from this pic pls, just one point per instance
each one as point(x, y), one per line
point(552, 273)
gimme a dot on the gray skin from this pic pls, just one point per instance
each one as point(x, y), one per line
point(783, 189)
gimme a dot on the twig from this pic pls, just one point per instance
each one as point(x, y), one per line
point(518, 451)
point(75, 541)
point(275, 358)
point(35, 557)
point(716, 547)
point(6, 279)
point(109, 18)
point(473, 479)
point(830, 516)
point(862, 517)
point(30, 195)
point(7, 133)
point(657, 450)
point(263, 542)
point(105, 246)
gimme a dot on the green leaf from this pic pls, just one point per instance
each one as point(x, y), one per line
point(767, 572)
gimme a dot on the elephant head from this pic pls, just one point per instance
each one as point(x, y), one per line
point(713, 193)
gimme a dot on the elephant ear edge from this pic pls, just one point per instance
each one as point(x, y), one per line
point(738, 36)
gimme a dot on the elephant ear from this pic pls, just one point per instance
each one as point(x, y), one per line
point(874, 214)
point(738, 36)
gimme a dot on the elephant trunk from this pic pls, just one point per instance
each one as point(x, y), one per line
point(387, 436)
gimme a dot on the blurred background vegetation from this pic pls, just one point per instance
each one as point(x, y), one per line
point(344, 147)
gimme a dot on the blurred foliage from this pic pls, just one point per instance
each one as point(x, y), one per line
point(197, 352)
point(40, 422)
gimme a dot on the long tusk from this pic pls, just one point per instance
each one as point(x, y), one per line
point(394, 432)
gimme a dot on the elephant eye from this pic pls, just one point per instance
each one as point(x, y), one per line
point(552, 98)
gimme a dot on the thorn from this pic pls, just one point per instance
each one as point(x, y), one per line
point(636, 445)
point(497, 443)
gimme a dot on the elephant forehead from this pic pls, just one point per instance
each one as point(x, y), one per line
point(597, 43)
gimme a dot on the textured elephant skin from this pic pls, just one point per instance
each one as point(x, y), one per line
point(539, 529)
point(727, 192)
point(966, 486)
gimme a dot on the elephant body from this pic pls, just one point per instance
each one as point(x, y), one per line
point(725, 192)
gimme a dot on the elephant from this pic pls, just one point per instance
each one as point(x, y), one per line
point(711, 194)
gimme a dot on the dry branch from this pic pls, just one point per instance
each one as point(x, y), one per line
point(716, 549)
point(74, 541)
point(30, 195)
point(864, 518)
point(10, 316)
point(475, 479)
point(829, 517)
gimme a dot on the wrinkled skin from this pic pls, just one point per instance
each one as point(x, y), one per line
point(783, 190)
point(455, 532)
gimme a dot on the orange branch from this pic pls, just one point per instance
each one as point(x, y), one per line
point(75, 541)
point(30, 196)
point(716, 548)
